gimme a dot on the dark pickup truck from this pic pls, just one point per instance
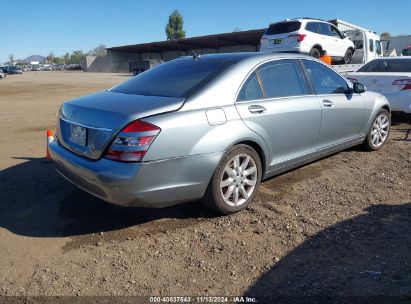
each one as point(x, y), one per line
point(139, 66)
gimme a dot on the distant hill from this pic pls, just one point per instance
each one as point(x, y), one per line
point(34, 58)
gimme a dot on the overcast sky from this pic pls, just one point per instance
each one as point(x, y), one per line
point(40, 27)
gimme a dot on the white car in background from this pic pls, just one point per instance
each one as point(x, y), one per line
point(389, 76)
point(308, 36)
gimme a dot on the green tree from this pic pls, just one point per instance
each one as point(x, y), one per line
point(76, 57)
point(59, 60)
point(385, 35)
point(11, 58)
point(50, 58)
point(66, 58)
point(100, 50)
point(174, 27)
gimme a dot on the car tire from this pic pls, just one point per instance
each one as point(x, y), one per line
point(231, 189)
point(379, 131)
point(348, 56)
point(315, 52)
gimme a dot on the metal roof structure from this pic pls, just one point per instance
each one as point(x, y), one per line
point(397, 43)
point(344, 25)
point(251, 37)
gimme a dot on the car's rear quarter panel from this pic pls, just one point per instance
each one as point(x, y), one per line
point(186, 133)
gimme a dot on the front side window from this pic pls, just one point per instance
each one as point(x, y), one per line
point(251, 89)
point(280, 79)
point(371, 45)
point(378, 47)
point(335, 32)
point(325, 80)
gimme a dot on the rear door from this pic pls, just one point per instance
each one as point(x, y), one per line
point(315, 36)
point(326, 40)
point(274, 102)
point(342, 112)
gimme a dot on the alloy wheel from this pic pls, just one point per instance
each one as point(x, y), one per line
point(238, 180)
point(379, 131)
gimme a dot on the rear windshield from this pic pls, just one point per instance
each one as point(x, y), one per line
point(387, 66)
point(283, 27)
point(177, 78)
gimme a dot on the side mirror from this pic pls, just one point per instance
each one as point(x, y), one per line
point(359, 88)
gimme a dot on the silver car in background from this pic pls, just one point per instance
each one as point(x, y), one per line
point(212, 127)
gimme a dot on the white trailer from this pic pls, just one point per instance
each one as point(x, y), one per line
point(367, 45)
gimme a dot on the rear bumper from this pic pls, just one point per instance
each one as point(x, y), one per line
point(284, 50)
point(147, 184)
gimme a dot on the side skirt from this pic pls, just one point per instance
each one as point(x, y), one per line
point(308, 158)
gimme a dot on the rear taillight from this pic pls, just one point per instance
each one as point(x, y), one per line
point(352, 80)
point(132, 143)
point(300, 37)
point(403, 82)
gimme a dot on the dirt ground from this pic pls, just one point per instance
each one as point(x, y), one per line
point(339, 227)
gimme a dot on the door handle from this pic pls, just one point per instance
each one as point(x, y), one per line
point(328, 103)
point(256, 109)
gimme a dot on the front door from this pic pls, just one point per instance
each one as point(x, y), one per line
point(342, 111)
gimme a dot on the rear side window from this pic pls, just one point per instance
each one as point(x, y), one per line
point(312, 27)
point(325, 80)
point(251, 89)
point(387, 66)
point(281, 78)
point(283, 27)
point(371, 45)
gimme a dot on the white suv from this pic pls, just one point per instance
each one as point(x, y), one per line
point(308, 36)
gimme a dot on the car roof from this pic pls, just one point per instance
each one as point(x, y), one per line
point(303, 19)
point(236, 57)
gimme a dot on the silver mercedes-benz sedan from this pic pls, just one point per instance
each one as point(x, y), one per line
point(212, 127)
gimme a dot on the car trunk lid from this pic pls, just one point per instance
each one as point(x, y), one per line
point(87, 125)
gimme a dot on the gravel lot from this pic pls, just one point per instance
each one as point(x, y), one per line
point(337, 227)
